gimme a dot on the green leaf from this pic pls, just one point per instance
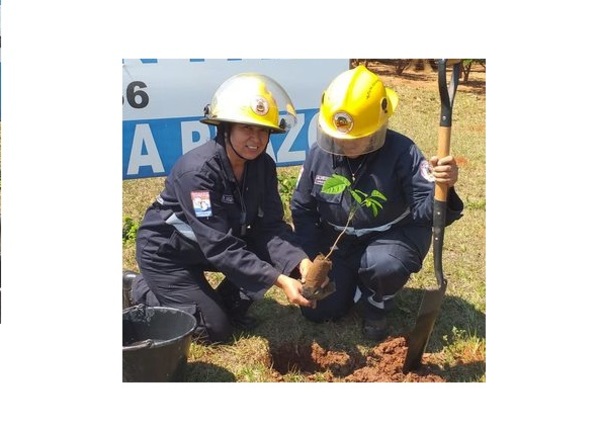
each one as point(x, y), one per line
point(335, 184)
point(377, 194)
point(338, 184)
point(361, 193)
point(355, 195)
point(376, 203)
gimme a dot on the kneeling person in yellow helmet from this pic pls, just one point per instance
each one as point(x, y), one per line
point(377, 254)
point(220, 211)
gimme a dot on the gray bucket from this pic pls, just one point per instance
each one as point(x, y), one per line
point(156, 343)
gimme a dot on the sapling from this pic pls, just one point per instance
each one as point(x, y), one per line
point(316, 286)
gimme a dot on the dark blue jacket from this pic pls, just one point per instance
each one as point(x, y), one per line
point(397, 169)
point(227, 222)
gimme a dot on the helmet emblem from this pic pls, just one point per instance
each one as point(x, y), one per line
point(343, 122)
point(384, 105)
point(260, 106)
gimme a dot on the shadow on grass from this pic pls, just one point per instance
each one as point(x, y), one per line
point(303, 351)
point(466, 372)
point(332, 351)
point(204, 372)
point(456, 314)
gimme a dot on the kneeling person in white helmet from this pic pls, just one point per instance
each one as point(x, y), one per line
point(220, 211)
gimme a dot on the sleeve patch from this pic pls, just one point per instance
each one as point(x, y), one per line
point(425, 169)
point(201, 203)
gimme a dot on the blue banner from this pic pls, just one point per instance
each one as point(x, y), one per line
point(152, 146)
point(163, 100)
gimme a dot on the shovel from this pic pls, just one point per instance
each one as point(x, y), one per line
point(432, 299)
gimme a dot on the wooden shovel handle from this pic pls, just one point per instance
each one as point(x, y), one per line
point(432, 300)
point(441, 190)
point(447, 100)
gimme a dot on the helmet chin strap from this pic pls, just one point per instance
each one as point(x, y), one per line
point(228, 141)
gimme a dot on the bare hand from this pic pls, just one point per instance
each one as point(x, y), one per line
point(293, 291)
point(444, 170)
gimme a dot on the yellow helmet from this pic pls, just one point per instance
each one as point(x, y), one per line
point(251, 99)
point(355, 105)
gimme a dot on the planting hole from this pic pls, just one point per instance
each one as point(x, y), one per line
point(312, 358)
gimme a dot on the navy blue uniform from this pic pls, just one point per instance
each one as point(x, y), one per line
point(376, 256)
point(204, 221)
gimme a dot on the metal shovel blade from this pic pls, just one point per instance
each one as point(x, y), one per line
point(432, 300)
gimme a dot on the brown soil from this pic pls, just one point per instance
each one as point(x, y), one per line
point(383, 364)
point(414, 77)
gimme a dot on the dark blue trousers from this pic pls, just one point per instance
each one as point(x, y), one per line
point(372, 269)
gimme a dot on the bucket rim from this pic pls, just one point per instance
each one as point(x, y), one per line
point(150, 343)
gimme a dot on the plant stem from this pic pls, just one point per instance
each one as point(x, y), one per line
point(352, 212)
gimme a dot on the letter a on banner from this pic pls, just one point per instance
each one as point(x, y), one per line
point(143, 138)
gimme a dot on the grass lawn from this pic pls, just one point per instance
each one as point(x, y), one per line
point(286, 347)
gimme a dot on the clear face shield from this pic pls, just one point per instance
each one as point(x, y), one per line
point(287, 111)
point(252, 99)
point(351, 147)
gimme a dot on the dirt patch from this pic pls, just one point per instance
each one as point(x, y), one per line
point(382, 364)
point(388, 71)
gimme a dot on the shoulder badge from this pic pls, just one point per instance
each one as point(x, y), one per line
point(425, 169)
point(201, 203)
